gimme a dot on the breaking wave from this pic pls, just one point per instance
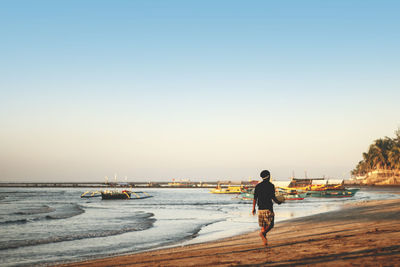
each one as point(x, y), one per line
point(39, 210)
point(66, 212)
point(142, 222)
point(34, 214)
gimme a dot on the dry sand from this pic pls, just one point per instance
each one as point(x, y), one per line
point(362, 234)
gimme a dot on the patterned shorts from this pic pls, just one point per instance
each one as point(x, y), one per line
point(265, 218)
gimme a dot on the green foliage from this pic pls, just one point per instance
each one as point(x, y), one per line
point(384, 153)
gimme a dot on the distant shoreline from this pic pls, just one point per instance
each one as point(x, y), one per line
point(103, 185)
point(143, 185)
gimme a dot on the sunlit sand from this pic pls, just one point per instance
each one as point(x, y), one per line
point(364, 233)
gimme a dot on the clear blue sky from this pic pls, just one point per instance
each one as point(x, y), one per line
point(202, 90)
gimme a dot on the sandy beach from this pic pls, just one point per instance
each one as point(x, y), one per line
point(360, 234)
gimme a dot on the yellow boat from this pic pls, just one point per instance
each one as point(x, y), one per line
point(230, 190)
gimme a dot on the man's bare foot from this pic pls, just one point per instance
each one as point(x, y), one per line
point(264, 239)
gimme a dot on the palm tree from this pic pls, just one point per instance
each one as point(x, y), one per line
point(382, 154)
point(394, 157)
point(397, 138)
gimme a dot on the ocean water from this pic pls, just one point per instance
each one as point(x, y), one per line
point(42, 226)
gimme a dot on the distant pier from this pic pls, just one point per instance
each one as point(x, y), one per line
point(129, 185)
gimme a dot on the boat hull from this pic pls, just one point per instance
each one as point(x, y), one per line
point(246, 196)
point(250, 196)
point(115, 195)
point(332, 193)
point(229, 190)
point(295, 196)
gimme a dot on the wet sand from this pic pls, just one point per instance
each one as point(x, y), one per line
point(361, 234)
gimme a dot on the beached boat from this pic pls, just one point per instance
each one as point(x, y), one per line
point(247, 194)
point(289, 193)
point(229, 190)
point(318, 188)
point(294, 196)
point(332, 193)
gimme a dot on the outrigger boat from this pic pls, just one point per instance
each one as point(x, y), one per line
point(247, 194)
point(290, 194)
point(294, 196)
point(116, 194)
point(317, 188)
point(234, 189)
point(332, 193)
point(124, 194)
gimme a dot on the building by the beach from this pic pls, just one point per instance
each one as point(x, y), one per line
point(379, 177)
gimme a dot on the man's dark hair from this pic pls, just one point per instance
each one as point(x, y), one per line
point(265, 174)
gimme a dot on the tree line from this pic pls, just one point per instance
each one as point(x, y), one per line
point(383, 154)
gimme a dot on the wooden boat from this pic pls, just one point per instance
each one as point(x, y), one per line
point(332, 193)
point(290, 193)
point(115, 194)
point(318, 188)
point(247, 194)
point(295, 196)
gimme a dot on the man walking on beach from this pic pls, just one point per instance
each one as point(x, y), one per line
point(264, 193)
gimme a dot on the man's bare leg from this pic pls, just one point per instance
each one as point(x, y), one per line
point(263, 236)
